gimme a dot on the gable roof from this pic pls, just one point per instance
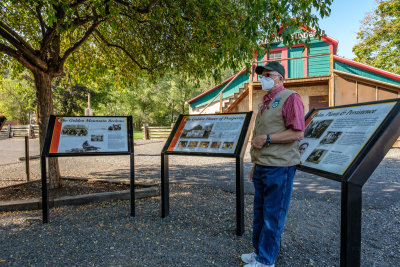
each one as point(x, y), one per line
point(325, 38)
point(362, 66)
point(215, 87)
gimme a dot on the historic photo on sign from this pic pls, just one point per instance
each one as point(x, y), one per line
point(316, 156)
point(330, 138)
point(316, 128)
point(198, 131)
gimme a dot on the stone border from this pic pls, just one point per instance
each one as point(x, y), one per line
point(36, 204)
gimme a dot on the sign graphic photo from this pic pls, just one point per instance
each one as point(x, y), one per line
point(86, 135)
point(208, 134)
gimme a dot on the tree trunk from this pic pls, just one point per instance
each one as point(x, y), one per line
point(172, 112)
point(182, 107)
point(44, 97)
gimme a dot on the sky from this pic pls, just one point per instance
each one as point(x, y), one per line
point(345, 21)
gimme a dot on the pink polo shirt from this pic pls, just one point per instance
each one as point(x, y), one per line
point(292, 109)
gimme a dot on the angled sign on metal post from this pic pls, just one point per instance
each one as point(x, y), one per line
point(346, 144)
point(216, 135)
point(87, 136)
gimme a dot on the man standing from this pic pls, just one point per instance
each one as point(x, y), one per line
point(278, 128)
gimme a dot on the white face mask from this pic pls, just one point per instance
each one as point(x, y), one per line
point(267, 83)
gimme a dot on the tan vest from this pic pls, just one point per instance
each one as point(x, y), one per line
point(269, 122)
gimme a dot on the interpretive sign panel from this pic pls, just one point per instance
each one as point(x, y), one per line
point(208, 134)
point(213, 135)
point(86, 135)
point(347, 143)
point(334, 137)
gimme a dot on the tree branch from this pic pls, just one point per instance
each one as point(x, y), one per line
point(120, 47)
point(81, 21)
point(18, 56)
point(47, 38)
point(80, 42)
point(137, 9)
point(23, 50)
point(16, 36)
point(43, 25)
point(77, 3)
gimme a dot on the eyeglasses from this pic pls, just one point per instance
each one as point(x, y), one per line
point(269, 74)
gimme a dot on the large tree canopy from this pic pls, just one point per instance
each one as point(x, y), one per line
point(379, 37)
point(122, 37)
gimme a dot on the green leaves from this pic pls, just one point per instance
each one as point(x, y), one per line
point(379, 37)
point(99, 41)
point(17, 97)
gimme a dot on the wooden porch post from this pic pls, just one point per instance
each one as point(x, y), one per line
point(251, 89)
point(220, 102)
point(331, 82)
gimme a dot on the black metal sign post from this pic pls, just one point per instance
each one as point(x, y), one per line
point(178, 143)
point(95, 130)
point(350, 225)
point(132, 181)
point(45, 198)
point(362, 165)
point(164, 185)
point(239, 196)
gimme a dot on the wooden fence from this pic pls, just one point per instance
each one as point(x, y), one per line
point(156, 132)
point(9, 131)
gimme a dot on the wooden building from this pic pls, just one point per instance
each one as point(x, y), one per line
point(317, 73)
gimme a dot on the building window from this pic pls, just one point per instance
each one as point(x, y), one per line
point(275, 56)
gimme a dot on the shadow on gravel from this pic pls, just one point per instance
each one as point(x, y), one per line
point(379, 191)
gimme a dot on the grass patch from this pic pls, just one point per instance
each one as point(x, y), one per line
point(137, 134)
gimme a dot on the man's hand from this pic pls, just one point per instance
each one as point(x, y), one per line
point(287, 136)
point(251, 174)
point(259, 141)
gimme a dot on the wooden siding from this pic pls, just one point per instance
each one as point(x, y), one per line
point(354, 70)
point(318, 65)
point(366, 92)
point(383, 94)
point(229, 91)
point(345, 91)
point(350, 91)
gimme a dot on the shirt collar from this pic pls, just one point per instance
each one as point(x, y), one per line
point(272, 94)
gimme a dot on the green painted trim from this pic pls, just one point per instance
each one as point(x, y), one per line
point(354, 70)
point(312, 42)
point(229, 91)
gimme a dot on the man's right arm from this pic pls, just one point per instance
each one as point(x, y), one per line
point(251, 173)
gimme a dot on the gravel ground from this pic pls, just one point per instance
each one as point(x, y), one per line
point(200, 230)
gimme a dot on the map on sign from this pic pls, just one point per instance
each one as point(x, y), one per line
point(89, 134)
point(333, 137)
point(208, 133)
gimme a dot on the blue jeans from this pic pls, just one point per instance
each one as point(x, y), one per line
point(273, 189)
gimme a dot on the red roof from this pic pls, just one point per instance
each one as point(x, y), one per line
point(368, 68)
